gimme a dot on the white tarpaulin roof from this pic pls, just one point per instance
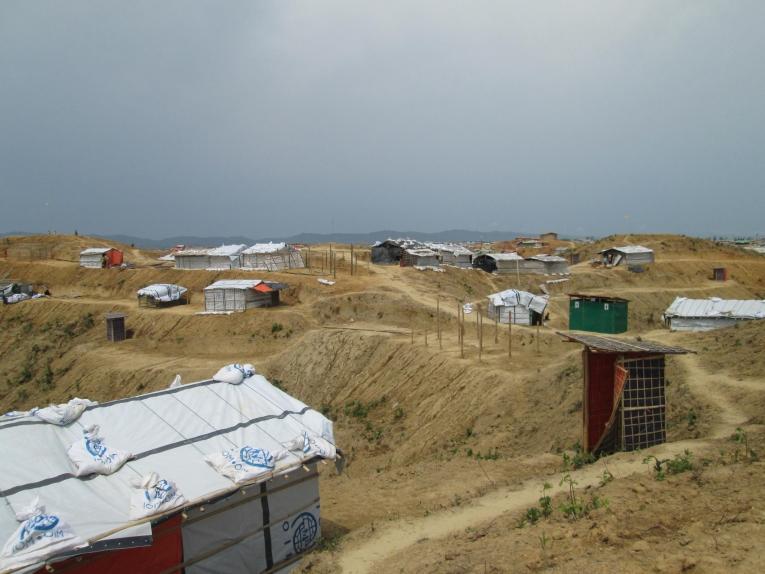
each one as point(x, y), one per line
point(714, 307)
point(234, 284)
point(504, 256)
point(548, 258)
point(169, 432)
point(450, 248)
point(629, 249)
point(226, 250)
point(164, 292)
point(264, 248)
point(422, 252)
point(513, 298)
point(95, 250)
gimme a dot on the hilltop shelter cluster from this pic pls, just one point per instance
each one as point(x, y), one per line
point(261, 256)
point(412, 253)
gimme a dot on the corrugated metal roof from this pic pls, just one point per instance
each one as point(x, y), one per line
point(95, 250)
point(192, 252)
point(169, 432)
point(422, 252)
point(613, 345)
point(715, 307)
point(514, 297)
point(548, 258)
point(504, 256)
point(264, 248)
point(599, 297)
point(629, 249)
point(450, 248)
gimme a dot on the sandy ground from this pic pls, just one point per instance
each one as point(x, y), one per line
point(446, 448)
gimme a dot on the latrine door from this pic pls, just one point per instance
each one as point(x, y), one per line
point(643, 406)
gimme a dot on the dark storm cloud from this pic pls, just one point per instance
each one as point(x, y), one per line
point(264, 118)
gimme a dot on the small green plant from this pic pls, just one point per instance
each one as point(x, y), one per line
point(578, 460)
point(46, 382)
point(572, 508)
point(742, 440)
point(276, 327)
point(692, 418)
point(398, 413)
point(606, 477)
point(679, 464)
point(545, 501)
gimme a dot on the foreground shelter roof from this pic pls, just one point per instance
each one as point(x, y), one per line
point(614, 345)
point(257, 284)
point(168, 432)
point(715, 307)
point(514, 297)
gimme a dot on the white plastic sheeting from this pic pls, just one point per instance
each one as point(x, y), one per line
point(170, 432)
point(707, 314)
point(265, 248)
point(163, 292)
point(516, 306)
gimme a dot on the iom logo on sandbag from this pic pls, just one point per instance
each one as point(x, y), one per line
point(35, 528)
point(257, 457)
point(304, 531)
point(95, 447)
point(158, 494)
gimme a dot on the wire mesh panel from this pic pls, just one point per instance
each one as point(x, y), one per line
point(643, 404)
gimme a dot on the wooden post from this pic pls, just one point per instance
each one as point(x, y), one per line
point(496, 326)
point(351, 258)
point(509, 335)
point(334, 265)
point(438, 320)
point(537, 338)
point(480, 333)
point(517, 271)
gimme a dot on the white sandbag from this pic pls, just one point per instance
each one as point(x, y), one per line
point(153, 495)
point(176, 382)
point(307, 446)
point(39, 536)
point(246, 464)
point(62, 414)
point(234, 373)
point(91, 456)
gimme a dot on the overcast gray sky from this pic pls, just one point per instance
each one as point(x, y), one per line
point(272, 118)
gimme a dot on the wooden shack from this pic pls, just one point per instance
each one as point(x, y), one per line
point(624, 399)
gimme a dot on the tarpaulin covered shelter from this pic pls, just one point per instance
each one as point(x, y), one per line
point(518, 307)
point(272, 257)
point(419, 257)
point(241, 294)
point(597, 313)
point(259, 514)
point(100, 257)
point(390, 251)
point(627, 255)
point(452, 254)
point(713, 313)
point(624, 406)
point(161, 295)
point(546, 264)
point(214, 259)
point(501, 263)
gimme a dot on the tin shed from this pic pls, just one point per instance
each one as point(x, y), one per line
point(597, 313)
point(517, 307)
point(624, 406)
point(627, 255)
point(100, 258)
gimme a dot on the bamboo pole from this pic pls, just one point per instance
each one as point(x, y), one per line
point(509, 335)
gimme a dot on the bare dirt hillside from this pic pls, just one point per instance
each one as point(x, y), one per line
point(446, 447)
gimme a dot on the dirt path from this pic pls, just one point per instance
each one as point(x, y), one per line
point(362, 556)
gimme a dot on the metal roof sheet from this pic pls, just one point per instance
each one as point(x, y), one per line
point(234, 284)
point(514, 297)
point(422, 252)
point(95, 250)
point(613, 345)
point(504, 256)
point(548, 258)
point(227, 250)
point(715, 307)
point(599, 297)
point(169, 432)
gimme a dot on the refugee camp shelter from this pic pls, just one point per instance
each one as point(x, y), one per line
point(708, 314)
point(501, 263)
point(624, 405)
point(162, 295)
point(549, 236)
point(390, 251)
point(545, 264)
point(419, 257)
point(190, 517)
point(452, 254)
point(272, 257)
point(627, 255)
point(10, 287)
point(597, 313)
point(241, 294)
point(191, 259)
point(225, 257)
point(518, 307)
point(100, 257)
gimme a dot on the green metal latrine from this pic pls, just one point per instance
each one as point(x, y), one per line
point(597, 313)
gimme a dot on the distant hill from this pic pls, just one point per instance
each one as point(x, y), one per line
point(358, 238)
